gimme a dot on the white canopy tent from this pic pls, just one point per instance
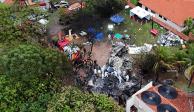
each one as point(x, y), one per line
point(141, 13)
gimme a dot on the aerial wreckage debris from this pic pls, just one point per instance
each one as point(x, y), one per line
point(116, 78)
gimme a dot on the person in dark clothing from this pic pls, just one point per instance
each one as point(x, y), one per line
point(95, 64)
point(84, 50)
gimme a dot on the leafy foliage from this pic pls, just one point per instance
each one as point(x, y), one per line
point(135, 2)
point(30, 76)
point(24, 96)
point(190, 53)
point(189, 26)
point(105, 8)
point(27, 60)
point(73, 100)
point(15, 25)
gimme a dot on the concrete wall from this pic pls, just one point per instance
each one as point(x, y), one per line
point(170, 23)
point(138, 103)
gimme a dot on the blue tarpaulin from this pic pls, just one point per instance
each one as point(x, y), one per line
point(91, 30)
point(118, 36)
point(99, 36)
point(117, 19)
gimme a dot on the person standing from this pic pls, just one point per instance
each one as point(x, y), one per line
point(84, 52)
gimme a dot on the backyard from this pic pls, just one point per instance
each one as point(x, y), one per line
point(140, 33)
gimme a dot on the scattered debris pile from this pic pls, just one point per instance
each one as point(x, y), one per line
point(169, 39)
point(141, 49)
point(72, 51)
point(116, 78)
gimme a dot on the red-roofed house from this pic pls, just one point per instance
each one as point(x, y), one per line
point(171, 12)
point(6, 1)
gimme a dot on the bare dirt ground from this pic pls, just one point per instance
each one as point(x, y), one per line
point(101, 52)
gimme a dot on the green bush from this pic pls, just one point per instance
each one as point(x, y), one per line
point(73, 100)
point(135, 2)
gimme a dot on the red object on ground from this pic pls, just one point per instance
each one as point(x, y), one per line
point(75, 56)
point(154, 32)
point(42, 4)
point(63, 43)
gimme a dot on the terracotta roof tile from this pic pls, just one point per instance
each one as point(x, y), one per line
point(8, 1)
point(175, 10)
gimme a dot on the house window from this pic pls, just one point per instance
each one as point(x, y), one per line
point(146, 8)
point(165, 19)
point(160, 16)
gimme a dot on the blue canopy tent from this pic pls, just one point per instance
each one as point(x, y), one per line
point(99, 36)
point(117, 19)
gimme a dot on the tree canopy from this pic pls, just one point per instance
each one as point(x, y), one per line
point(73, 100)
point(15, 25)
point(105, 8)
point(31, 75)
point(33, 59)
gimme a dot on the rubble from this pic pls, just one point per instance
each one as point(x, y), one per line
point(114, 78)
point(138, 50)
point(169, 39)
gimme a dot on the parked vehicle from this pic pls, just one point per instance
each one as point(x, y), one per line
point(62, 4)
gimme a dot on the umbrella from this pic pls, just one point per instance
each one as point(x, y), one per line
point(117, 19)
point(99, 36)
point(118, 36)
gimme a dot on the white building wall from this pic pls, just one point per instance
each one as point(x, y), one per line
point(139, 104)
point(143, 6)
point(1, 1)
point(170, 23)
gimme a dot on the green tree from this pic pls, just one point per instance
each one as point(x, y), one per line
point(189, 73)
point(189, 25)
point(135, 2)
point(105, 8)
point(28, 60)
point(15, 25)
point(173, 58)
point(190, 52)
point(73, 100)
point(20, 96)
point(29, 76)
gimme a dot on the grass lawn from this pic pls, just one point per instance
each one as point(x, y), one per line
point(140, 33)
